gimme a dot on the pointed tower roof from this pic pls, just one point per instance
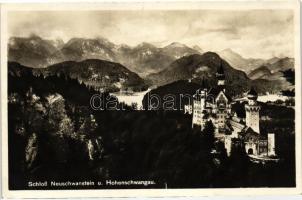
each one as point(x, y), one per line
point(220, 72)
point(203, 83)
point(220, 69)
point(252, 92)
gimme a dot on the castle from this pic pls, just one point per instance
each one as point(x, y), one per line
point(216, 106)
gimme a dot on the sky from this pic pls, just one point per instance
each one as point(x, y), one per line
point(251, 33)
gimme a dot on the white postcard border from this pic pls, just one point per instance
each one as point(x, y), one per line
point(231, 5)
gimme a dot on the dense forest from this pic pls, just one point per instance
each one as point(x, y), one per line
point(55, 135)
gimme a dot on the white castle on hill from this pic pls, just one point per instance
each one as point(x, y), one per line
point(216, 106)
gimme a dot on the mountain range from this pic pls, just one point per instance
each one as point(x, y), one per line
point(33, 51)
point(241, 63)
point(273, 70)
point(281, 70)
point(270, 69)
point(143, 59)
point(202, 68)
point(102, 64)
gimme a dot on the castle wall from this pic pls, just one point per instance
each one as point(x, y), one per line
point(251, 148)
point(228, 145)
point(262, 147)
point(271, 144)
point(237, 128)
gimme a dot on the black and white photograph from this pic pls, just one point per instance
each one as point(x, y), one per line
point(148, 98)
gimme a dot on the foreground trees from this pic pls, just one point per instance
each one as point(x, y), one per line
point(54, 135)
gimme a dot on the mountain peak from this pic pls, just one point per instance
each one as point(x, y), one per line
point(273, 60)
point(211, 54)
point(229, 54)
point(125, 46)
point(72, 40)
point(145, 44)
point(176, 45)
point(230, 51)
point(196, 47)
point(34, 37)
point(81, 39)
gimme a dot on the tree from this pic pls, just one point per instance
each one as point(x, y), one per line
point(208, 133)
point(238, 166)
point(134, 106)
point(209, 128)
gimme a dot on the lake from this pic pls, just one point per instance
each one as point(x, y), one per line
point(128, 99)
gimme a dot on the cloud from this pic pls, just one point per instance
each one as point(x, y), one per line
point(253, 33)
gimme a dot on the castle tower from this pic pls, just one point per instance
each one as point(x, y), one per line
point(199, 100)
point(252, 111)
point(220, 76)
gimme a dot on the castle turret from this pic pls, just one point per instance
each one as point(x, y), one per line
point(220, 76)
point(252, 111)
point(203, 83)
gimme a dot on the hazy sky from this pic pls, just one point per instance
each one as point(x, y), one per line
point(252, 33)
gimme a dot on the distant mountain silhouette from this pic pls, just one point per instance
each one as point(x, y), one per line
point(273, 70)
point(161, 66)
point(143, 59)
point(198, 48)
point(261, 72)
point(282, 64)
point(204, 67)
point(277, 69)
point(178, 50)
point(200, 67)
point(32, 51)
point(240, 63)
point(78, 49)
point(272, 60)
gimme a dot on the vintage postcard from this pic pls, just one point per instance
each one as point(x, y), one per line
point(151, 99)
